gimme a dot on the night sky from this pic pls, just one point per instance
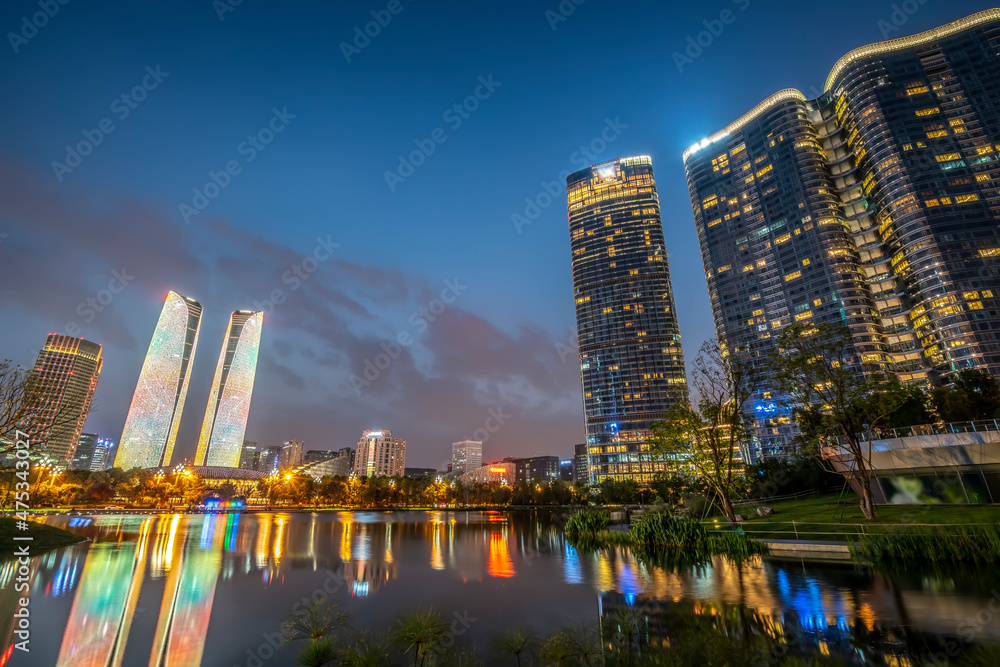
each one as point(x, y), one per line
point(266, 90)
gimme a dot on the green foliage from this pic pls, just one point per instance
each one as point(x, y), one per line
point(585, 523)
point(319, 653)
point(965, 544)
point(974, 394)
point(419, 630)
point(615, 492)
point(664, 530)
point(736, 546)
point(784, 476)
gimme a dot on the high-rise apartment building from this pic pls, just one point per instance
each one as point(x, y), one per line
point(631, 363)
point(66, 373)
point(380, 455)
point(291, 453)
point(155, 414)
point(874, 206)
point(269, 460)
point(225, 420)
point(466, 455)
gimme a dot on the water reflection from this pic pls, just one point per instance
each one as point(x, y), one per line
point(190, 572)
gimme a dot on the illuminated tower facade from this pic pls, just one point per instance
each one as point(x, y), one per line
point(155, 414)
point(874, 206)
point(466, 455)
point(221, 441)
point(631, 362)
point(66, 372)
point(380, 455)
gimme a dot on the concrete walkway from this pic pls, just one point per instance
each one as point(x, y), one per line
point(809, 549)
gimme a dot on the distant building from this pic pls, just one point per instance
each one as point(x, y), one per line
point(67, 371)
point(580, 463)
point(291, 453)
point(269, 460)
point(420, 473)
point(104, 454)
point(380, 455)
point(83, 458)
point(221, 441)
point(535, 469)
point(314, 455)
point(337, 464)
point(155, 413)
point(466, 455)
point(566, 470)
point(248, 455)
point(504, 472)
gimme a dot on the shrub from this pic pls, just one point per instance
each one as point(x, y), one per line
point(659, 529)
point(968, 544)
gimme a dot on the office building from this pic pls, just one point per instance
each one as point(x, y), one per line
point(580, 463)
point(535, 469)
point(104, 454)
point(380, 455)
point(248, 455)
point(155, 413)
point(631, 362)
point(566, 470)
point(503, 472)
point(337, 464)
point(466, 455)
point(86, 447)
point(225, 422)
point(873, 206)
point(269, 460)
point(313, 455)
point(291, 453)
point(66, 374)
point(420, 473)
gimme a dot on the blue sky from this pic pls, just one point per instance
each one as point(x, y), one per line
point(554, 85)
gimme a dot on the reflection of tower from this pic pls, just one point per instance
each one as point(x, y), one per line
point(221, 441)
point(188, 598)
point(155, 414)
point(104, 604)
point(365, 574)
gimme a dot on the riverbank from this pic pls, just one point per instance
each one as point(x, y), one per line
point(43, 537)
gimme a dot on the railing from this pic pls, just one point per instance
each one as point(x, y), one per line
point(924, 429)
point(771, 499)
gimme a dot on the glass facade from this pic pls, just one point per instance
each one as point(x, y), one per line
point(225, 423)
point(67, 371)
point(631, 362)
point(155, 414)
point(874, 206)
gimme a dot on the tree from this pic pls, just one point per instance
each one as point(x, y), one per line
point(839, 397)
point(28, 404)
point(974, 394)
point(708, 440)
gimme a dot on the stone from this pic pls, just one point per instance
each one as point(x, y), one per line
point(764, 510)
point(740, 518)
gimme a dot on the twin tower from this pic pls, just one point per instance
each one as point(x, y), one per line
point(155, 414)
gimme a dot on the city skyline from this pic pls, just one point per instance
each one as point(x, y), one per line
point(371, 269)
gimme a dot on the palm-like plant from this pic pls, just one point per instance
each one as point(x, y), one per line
point(366, 651)
point(420, 630)
point(319, 653)
point(514, 643)
point(584, 644)
point(315, 622)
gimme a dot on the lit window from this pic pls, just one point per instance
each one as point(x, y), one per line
point(794, 274)
point(928, 112)
point(948, 157)
point(962, 199)
point(805, 262)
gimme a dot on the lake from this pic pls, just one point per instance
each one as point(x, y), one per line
point(188, 589)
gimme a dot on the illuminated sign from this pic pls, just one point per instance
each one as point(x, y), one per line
point(375, 434)
point(610, 171)
point(498, 470)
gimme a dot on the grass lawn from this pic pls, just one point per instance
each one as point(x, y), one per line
point(45, 537)
point(820, 518)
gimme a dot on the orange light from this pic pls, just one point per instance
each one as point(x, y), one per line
point(498, 470)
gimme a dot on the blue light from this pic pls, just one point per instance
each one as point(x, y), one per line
point(613, 426)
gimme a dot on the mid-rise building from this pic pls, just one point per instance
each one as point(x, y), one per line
point(337, 464)
point(380, 455)
point(873, 205)
point(65, 375)
point(269, 460)
point(83, 457)
point(104, 454)
point(155, 413)
point(420, 473)
point(631, 362)
point(503, 472)
point(466, 455)
point(291, 453)
point(248, 455)
point(313, 455)
point(580, 463)
point(534, 469)
point(566, 470)
point(225, 422)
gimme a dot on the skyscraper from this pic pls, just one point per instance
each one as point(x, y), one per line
point(466, 455)
point(83, 457)
point(874, 206)
point(225, 420)
point(291, 453)
point(631, 363)
point(66, 372)
point(248, 455)
point(380, 455)
point(155, 414)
